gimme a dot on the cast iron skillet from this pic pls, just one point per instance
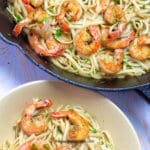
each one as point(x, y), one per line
point(6, 26)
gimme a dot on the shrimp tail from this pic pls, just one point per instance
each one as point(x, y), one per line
point(43, 103)
point(58, 114)
point(62, 23)
point(115, 34)
point(19, 26)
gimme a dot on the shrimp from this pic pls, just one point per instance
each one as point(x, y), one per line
point(112, 67)
point(104, 4)
point(53, 47)
point(36, 16)
point(80, 131)
point(19, 26)
point(30, 126)
point(29, 3)
point(32, 145)
point(87, 40)
point(70, 9)
point(117, 43)
point(35, 3)
point(112, 15)
point(140, 47)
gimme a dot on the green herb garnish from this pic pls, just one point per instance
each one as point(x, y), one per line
point(67, 21)
point(94, 130)
point(47, 115)
point(18, 18)
point(125, 62)
point(45, 19)
point(86, 60)
point(101, 142)
point(51, 10)
point(59, 131)
point(70, 47)
point(117, 1)
point(46, 147)
point(57, 33)
point(143, 7)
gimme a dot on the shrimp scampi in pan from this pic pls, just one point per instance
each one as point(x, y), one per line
point(74, 34)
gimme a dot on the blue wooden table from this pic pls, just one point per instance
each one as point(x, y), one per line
point(16, 69)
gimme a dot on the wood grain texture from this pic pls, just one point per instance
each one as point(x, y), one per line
point(16, 69)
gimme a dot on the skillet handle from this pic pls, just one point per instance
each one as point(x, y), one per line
point(145, 92)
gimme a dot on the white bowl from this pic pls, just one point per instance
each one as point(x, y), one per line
point(109, 116)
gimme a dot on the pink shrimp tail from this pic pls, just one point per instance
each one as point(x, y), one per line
point(94, 31)
point(115, 34)
point(57, 115)
point(62, 23)
point(132, 35)
point(44, 103)
point(56, 52)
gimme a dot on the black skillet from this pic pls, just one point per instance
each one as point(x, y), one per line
point(128, 83)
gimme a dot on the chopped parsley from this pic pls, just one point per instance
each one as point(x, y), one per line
point(47, 115)
point(101, 142)
point(45, 19)
point(59, 131)
point(86, 60)
point(70, 47)
point(67, 21)
point(94, 130)
point(125, 62)
point(57, 33)
point(46, 147)
point(18, 18)
point(117, 1)
point(50, 10)
point(143, 7)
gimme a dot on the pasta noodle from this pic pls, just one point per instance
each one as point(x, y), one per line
point(137, 14)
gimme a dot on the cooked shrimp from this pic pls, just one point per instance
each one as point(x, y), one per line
point(114, 14)
point(80, 131)
point(35, 3)
point(19, 26)
point(30, 126)
point(53, 48)
point(113, 66)
point(32, 145)
point(36, 16)
point(140, 47)
point(104, 4)
point(87, 40)
point(70, 9)
point(117, 43)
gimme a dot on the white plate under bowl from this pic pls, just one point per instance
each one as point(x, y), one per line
point(109, 116)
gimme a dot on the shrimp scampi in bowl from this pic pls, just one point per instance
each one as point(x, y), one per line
point(74, 35)
point(42, 127)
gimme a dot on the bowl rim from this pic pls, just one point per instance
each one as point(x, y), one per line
point(125, 118)
point(4, 39)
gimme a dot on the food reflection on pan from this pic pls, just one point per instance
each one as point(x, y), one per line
point(41, 127)
point(92, 38)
